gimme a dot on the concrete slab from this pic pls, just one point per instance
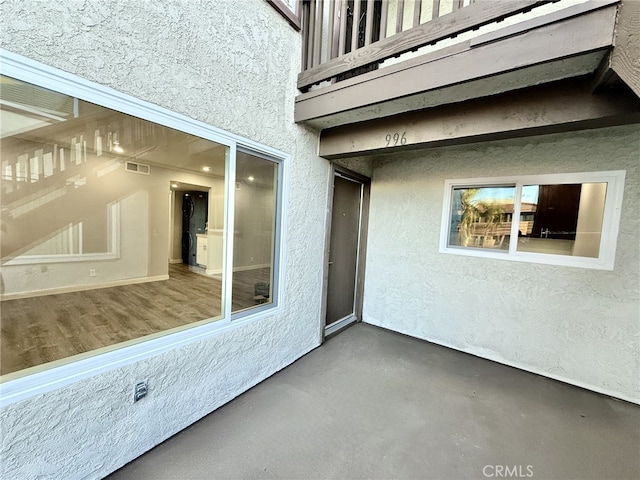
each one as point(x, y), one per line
point(371, 403)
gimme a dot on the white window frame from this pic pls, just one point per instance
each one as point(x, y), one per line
point(610, 225)
point(36, 380)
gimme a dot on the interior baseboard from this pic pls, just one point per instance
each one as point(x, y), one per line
point(218, 271)
point(251, 267)
point(81, 288)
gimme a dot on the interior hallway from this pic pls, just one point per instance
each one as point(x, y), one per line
point(371, 403)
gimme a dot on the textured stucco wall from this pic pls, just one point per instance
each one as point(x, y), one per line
point(580, 325)
point(232, 65)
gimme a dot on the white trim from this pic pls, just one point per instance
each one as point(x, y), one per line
point(251, 267)
point(25, 384)
point(340, 324)
point(218, 271)
point(229, 231)
point(62, 258)
point(81, 288)
point(610, 225)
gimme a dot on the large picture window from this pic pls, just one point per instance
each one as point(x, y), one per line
point(562, 219)
point(118, 229)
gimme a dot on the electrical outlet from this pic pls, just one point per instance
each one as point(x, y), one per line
point(139, 391)
point(92, 272)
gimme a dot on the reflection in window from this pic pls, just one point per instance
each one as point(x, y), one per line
point(113, 228)
point(254, 231)
point(562, 219)
point(481, 217)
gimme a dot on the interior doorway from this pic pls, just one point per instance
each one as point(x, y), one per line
point(344, 279)
point(193, 237)
point(195, 214)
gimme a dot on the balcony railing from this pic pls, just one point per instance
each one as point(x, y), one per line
point(346, 38)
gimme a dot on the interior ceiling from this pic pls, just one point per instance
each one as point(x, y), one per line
point(139, 140)
point(188, 153)
point(188, 187)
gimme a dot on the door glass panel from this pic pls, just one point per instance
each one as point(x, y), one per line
point(562, 219)
point(481, 217)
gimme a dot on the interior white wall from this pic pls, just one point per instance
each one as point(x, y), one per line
point(144, 230)
point(253, 240)
point(232, 65)
point(590, 216)
point(577, 325)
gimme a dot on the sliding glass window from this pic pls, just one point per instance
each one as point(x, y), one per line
point(559, 219)
point(114, 229)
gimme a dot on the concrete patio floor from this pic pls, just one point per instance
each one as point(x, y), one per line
point(371, 403)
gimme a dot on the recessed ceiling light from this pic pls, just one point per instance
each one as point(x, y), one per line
point(174, 185)
point(251, 178)
point(206, 169)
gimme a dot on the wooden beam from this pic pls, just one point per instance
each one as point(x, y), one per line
point(625, 58)
point(462, 20)
point(555, 107)
point(572, 37)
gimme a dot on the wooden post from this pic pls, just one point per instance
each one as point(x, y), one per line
point(343, 28)
point(436, 9)
point(368, 32)
point(399, 16)
point(311, 33)
point(417, 8)
point(331, 40)
point(317, 36)
point(625, 58)
point(383, 19)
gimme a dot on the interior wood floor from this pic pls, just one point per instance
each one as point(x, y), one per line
point(43, 329)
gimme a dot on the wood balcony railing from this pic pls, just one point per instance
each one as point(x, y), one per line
point(345, 38)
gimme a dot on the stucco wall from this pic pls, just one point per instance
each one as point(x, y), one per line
point(578, 325)
point(232, 65)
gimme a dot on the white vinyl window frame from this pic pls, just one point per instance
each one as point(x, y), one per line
point(610, 225)
point(36, 380)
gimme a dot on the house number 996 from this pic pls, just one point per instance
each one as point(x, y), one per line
point(394, 139)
